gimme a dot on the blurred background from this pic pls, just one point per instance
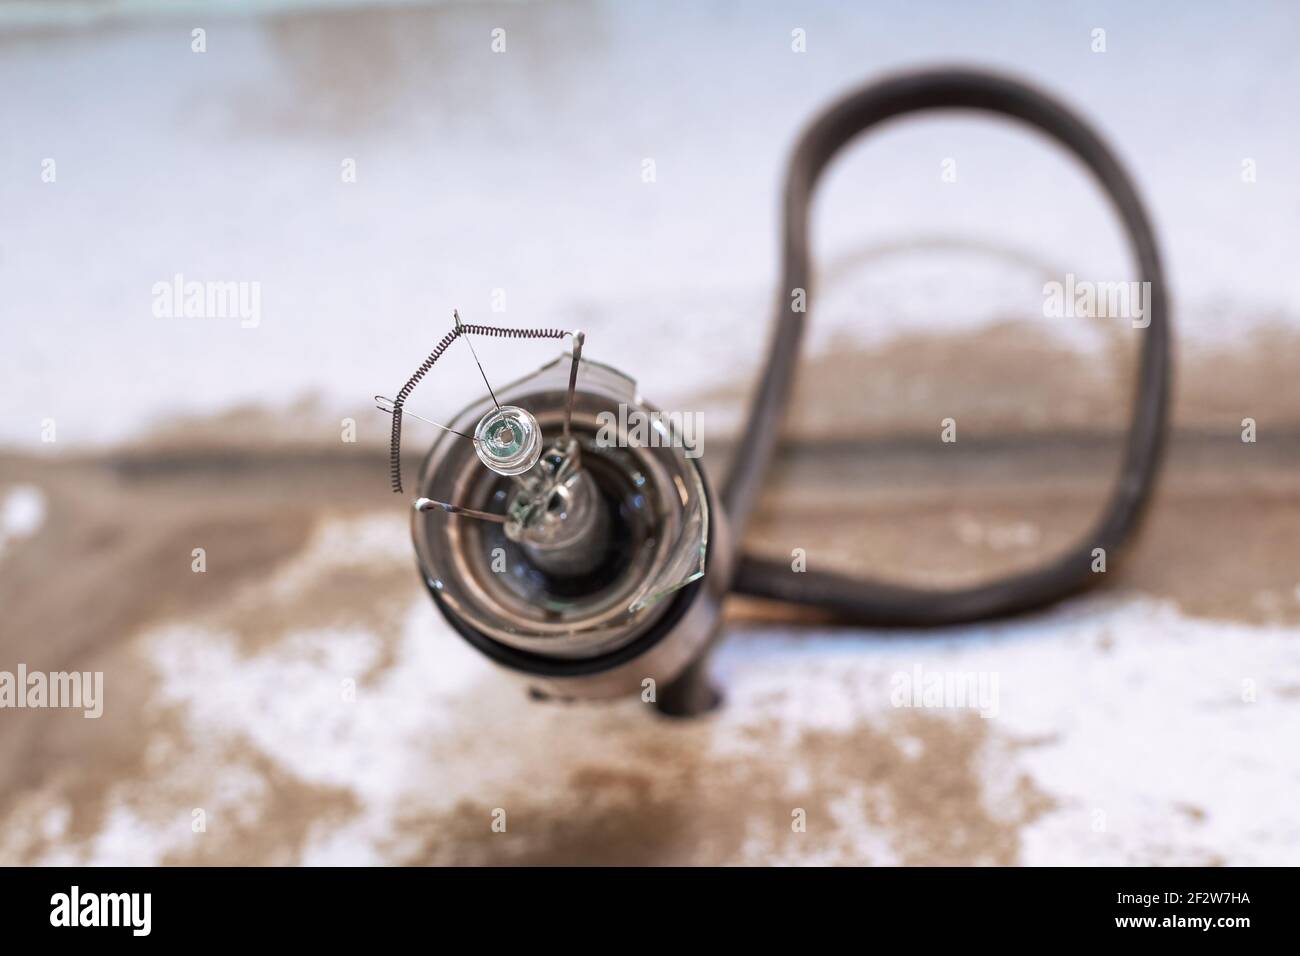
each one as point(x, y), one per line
point(368, 166)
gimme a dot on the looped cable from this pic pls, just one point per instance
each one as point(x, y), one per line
point(876, 603)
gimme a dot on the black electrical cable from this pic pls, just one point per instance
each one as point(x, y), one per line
point(877, 603)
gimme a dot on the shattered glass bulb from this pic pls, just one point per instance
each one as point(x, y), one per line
point(599, 542)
